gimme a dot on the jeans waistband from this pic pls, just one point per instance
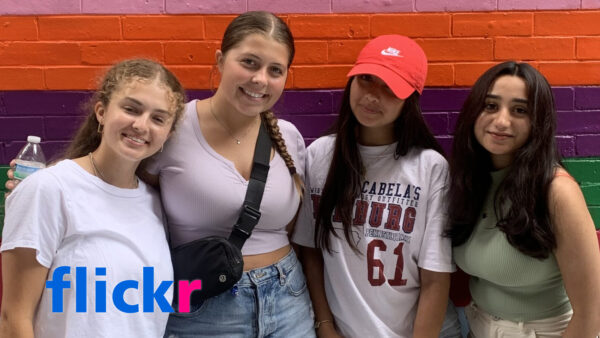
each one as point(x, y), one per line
point(278, 270)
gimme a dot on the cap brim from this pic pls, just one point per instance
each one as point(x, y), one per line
point(397, 84)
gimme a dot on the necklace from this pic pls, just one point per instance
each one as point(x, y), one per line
point(99, 174)
point(238, 140)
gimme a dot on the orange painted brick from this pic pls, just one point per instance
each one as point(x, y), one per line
point(79, 27)
point(345, 51)
point(196, 77)
point(191, 53)
point(310, 52)
point(458, 49)
point(329, 26)
point(588, 48)
point(492, 24)
point(440, 74)
point(180, 27)
point(308, 77)
point(465, 74)
point(22, 78)
point(535, 48)
point(18, 28)
point(39, 53)
point(421, 25)
point(571, 73)
point(215, 25)
point(567, 23)
point(70, 78)
point(106, 53)
point(289, 82)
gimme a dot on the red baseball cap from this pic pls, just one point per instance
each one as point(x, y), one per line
point(398, 60)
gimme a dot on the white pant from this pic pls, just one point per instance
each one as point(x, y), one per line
point(484, 325)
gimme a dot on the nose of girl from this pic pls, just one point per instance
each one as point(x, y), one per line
point(140, 123)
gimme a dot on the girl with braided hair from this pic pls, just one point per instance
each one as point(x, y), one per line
point(203, 174)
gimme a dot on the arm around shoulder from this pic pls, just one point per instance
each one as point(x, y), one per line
point(577, 255)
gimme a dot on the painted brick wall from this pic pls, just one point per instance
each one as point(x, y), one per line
point(46, 53)
point(45, 7)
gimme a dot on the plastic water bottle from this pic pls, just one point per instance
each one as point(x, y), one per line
point(30, 158)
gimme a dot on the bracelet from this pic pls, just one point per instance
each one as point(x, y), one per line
point(318, 323)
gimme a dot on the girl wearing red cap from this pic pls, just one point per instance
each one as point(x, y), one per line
point(375, 257)
point(519, 223)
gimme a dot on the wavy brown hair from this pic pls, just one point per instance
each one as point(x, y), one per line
point(87, 138)
point(270, 26)
point(524, 192)
point(346, 171)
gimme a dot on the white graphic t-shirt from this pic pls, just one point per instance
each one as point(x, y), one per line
point(398, 224)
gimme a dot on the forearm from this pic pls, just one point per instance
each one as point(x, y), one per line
point(15, 326)
point(433, 301)
point(584, 325)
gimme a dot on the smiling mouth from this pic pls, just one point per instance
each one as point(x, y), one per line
point(135, 139)
point(499, 135)
point(253, 94)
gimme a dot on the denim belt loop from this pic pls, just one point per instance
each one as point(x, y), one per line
point(281, 274)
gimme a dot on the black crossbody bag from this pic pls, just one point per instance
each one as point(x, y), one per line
point(218, 261)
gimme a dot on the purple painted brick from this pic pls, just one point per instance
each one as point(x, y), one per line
point(124, 7)
point(538, 4)
point(587, 98)
point(198, 94)
point(374, 6)
point(32, 7)
point(62, 128)
point(578, 122)
point(454, 6)
point(277, 6)
point(446, 143)
point(311, 126)
point(437, 122)
point(563, 97)
point(44, 103)
point(18, 128)
point(566, 145)
point(587, 145)
point(443, 99)
point(206, 6)
point(452, 119)
point(337, 100)
point(305, 102)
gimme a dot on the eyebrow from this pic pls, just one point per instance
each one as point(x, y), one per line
point(161, 111)
point(258, 57)
point(524, 101)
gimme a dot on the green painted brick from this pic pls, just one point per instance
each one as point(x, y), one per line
point(595, 211)
point(591, 192)
point(584, 169)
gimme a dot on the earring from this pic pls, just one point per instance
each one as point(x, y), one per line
point(100, 128)
point(161, 148)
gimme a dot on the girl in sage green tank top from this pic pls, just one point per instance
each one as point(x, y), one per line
point(518, 222)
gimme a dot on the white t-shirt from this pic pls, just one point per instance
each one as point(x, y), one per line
point(399, 224)
point(74, 219)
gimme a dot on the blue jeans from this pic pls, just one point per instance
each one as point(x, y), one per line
point(271, 302)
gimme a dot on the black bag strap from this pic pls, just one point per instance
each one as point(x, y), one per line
point(250, 214)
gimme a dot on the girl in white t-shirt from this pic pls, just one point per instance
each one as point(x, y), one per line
point(84, 239)
point(381, 267)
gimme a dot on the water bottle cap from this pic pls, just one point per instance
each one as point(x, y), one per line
point(33, 139)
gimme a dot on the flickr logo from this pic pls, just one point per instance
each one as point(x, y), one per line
point(150, 295)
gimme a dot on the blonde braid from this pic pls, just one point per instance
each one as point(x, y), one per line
point(270, 122)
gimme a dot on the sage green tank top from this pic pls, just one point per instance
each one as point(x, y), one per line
point(505, 282)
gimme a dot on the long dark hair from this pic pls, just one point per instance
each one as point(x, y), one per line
point(346, 171)
point(524, 191)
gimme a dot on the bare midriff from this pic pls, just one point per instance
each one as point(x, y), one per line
point(269, 258)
